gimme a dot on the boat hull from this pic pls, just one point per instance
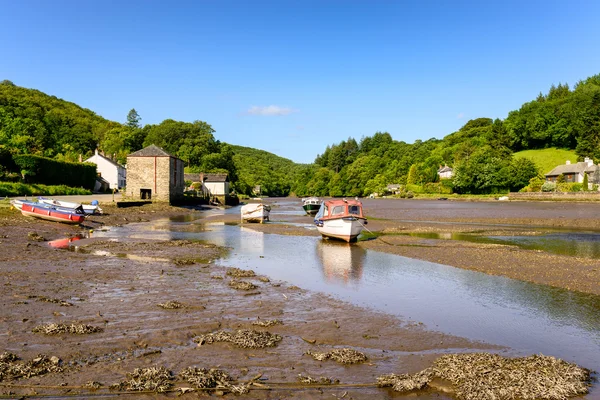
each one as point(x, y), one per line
point(311, 209)
point(50, 214)
point(255, 213)
point(346, 229)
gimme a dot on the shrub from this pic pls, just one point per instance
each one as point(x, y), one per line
point(576, 187)
point(409, 195)
point(548, 187)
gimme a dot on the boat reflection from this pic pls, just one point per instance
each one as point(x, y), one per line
point(340, 262)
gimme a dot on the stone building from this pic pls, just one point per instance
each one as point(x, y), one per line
point(154, 174)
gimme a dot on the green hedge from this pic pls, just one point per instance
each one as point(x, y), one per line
point(51, 172)
point(11, 189)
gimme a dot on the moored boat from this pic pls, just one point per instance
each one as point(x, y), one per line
point(340, 219)
point(311, 205)
point(47, 212)
point(255, 212)
point(93, 208)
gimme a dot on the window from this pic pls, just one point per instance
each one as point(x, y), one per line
point(337, 210)
point(354, 210)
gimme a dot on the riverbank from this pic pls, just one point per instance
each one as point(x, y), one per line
point(118, 286)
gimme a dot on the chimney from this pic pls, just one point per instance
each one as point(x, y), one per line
point(568, 162)
point(589, 161)
point(96, 151)
point(80, 158)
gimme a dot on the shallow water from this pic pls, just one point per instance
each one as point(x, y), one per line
point(527, 317)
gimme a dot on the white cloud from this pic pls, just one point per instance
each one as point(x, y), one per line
point(270, 110)
point(460, 116)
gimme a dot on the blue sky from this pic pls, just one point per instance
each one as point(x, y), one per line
point(292, 77)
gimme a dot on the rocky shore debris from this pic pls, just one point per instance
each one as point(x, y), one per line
point(343, 356)
point(242, 285)
point(11, 368)
point(154, 379)
point(244, 338)
point(240, 273)
point(481, 376)
point(172, 305)
point(76, 329)
point(309, 380)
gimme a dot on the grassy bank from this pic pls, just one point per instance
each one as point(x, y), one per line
point(12, 189)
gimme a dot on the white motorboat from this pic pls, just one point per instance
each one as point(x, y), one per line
point(340, 219)
point(93, 208)
point(255, 212)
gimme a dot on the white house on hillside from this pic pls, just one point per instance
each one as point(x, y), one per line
point(111, 171)
point(574, 172)
point(445, 172)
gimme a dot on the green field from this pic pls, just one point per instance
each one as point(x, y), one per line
point(547, 159)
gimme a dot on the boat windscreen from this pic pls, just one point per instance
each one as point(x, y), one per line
point(321, 211)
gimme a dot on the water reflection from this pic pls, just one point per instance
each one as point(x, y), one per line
point(341, 262)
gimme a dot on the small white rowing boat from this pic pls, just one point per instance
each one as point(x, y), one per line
point(255, 212)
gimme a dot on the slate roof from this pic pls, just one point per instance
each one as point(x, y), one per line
point(444, 169)
point(151, 151)
point(216, 178)
point(578, 168)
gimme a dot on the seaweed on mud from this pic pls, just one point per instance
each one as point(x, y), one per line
point(343, 356)
point(153, 379)
point(240, 273)
point(75, 329)
point(50, 300)
point(184, 261)
point(309, 380)
point(490, 376)
point(245, 338)
point(267, 322)
point(172, 305)
point(242, 285)
point(405, 382)
point(92, 385)
point(264, 279)
point(11, 368)
point(202, 378)
point(34, 236)
point(216, 277)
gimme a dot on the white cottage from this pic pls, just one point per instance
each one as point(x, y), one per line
point(216, 184)
point(114, 173)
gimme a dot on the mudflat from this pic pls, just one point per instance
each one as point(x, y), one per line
point(100, 313)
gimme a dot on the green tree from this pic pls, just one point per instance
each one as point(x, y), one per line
point(133, 119)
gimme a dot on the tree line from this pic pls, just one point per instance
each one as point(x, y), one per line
point(480, 152)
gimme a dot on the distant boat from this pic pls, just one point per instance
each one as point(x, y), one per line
point(255, 212)
point(340, 219)
point(311, 205)
point(47, 212)
point(87, 208)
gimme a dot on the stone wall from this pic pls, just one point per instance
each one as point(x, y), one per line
point(163, 176)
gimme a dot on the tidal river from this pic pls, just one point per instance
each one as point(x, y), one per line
point(525, 317)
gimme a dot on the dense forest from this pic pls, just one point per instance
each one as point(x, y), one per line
point(480, 152)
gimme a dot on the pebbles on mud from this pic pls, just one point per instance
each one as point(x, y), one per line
point(76, 329)
point(34, 236)
point(244, 338)
point(62, 303)
point(490, 376)
point(343, 356)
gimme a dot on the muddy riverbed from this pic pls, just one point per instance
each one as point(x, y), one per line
point(117, 286)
